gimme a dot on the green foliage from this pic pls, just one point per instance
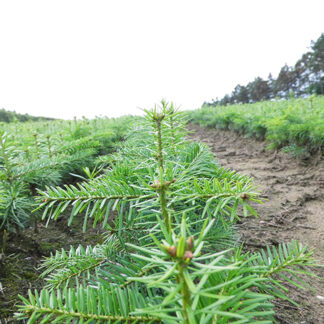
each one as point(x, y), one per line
point(296, 124)
point(169, 254)
point(16, 206)
point(303, 79)
point(36, 155)
point(11, 116)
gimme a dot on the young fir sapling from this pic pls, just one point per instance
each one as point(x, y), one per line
point(163, 259)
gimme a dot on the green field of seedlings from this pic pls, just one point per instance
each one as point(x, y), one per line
point(170, 252)
point(34, 155)
point(296, 125)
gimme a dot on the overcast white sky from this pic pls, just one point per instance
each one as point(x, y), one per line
point(65, 58)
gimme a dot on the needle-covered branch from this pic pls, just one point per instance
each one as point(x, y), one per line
point(85, 304)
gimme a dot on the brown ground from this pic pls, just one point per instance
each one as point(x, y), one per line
point(294, 209)
point(24, 253)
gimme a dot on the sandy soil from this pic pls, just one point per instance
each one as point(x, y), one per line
point(293, 210)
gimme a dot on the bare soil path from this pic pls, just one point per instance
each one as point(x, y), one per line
point(294, 209)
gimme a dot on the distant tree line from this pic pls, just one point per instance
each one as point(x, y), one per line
point(305, 78)
point(11, 116)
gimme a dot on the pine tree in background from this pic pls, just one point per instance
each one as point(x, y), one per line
point(305, 78)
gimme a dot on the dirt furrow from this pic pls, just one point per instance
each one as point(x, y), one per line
point(293, 209)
